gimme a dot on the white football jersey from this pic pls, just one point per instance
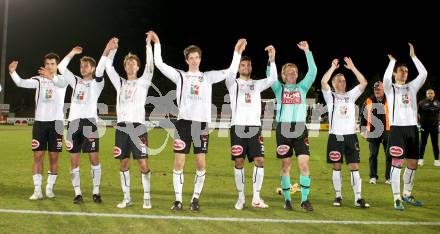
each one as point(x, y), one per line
point(342, 111)
point(49, 99)
point(402, 99)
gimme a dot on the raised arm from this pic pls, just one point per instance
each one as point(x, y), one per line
point(421, 77)
point(273, 74)
point(217, 76)
point(168, 71)
point(327, 76)
point(68, 76)
point(149, 64)
point(313, 70)
point(28, 83)
point(350, 65)
point(388, 76)
point(110, 51)
point(239, 48)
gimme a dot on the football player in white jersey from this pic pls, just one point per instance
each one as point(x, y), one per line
point(246, 138)
point(131, 131)
point(82, 130)
point(342, 140)
point(48, 126)
point(403, 141)
point(193, 94)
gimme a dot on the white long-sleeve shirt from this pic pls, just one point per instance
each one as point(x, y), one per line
point(49, 99)
point(131, 95)
point(194, 89)
point(342, 110)
point(246, 105)
point(85, 94)
point(402, 99)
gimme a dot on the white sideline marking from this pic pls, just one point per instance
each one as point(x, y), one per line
point(256, 220)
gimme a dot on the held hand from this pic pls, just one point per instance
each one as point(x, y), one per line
point(411, 50)
point(241, 45)
point(76, 50)
point(13, 66)
point(391, 57)
point(154, 36)
point(271, 52)
point(303, 45)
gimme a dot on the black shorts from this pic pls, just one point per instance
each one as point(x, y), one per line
point(292, 137)
point(47, 136)
point(246, 140)
point(131, 138)
point(82, 134)
point(403, 142)
point(188, 132)
point(343, 145)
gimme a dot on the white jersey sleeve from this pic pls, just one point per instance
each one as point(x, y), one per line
point(111, 72)
point(267, 82)
point(99, 72)
point(355, 93)
point(217, 76)
point(418, 82)
point(170, 72)
point(147, 76)
point(31, 83)
point(388, 76)
point(67, 78)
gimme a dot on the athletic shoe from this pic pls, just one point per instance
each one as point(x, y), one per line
point(124, 204)
point(361, 203)
point(420, 162)
point(337, 202)
point(36, 196)
point(239, 204)
point(97, 198)
point(195, 206)
point(147, 204)
point(288, 205)
point(177, 206)
point(412, 201)
point(259, 204)
point(437, 163)
point(398, 205)
point(306, 205)
point(387, 181)
point(373, 181)
point(49, 193)
point(78, 199)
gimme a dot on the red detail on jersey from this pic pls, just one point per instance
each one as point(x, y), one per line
point(334, 156)
point(236, 150)
point(179, 144)
point(283, 149)
point(247, 98)
point(35, 144)
point(117, 151)
point(396, 151)
point(69, 145)
point(291, 97)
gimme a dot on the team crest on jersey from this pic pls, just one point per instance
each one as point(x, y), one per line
point(69, 145)
point(200, 78)
point(334, 156)
point(283, 149)
point(35, 144)
point(179, 144)
point(195, 90)
point(343, 110)
point(247, 98)
point(236, 150)
point(251, 87)
point(396, 151)
point(117, 152)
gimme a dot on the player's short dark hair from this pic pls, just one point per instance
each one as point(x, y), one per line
point(131, 56)
point(51, 55)
point(245, 58)
point(89, 60)
point(192, 49)
point(399, 65)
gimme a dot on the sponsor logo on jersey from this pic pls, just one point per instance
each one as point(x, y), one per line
point(236, 150)
point(291, 98)
point(283, 149)
point(396, 151)
point(334, 156)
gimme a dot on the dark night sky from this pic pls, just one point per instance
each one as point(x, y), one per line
point(367, 33)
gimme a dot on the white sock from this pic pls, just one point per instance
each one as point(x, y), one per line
point(178, 184)
point(356, 183)
point(96, 176)
point(38, 180)
point(257, 182)
point(408, 181)
point(76, 181)
point(239, 182)
point(337, 182)
point(125, 184)
point(199, 181)
point(395, 182)
point(51, 180)
point(146, 184)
